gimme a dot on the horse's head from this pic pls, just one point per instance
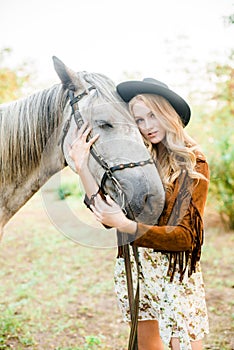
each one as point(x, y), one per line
point(120, 143)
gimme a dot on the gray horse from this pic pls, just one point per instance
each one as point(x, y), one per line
point(35, 133)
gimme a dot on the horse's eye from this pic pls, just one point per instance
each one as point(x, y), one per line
point(103, 124)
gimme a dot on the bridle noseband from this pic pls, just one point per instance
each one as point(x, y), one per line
point(108, 171)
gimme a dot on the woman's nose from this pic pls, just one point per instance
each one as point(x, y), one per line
point(148, 124)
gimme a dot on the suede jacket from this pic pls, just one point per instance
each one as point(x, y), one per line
point(179, 232)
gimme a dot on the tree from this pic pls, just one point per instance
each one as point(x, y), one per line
point(228, 20)
point(11, 80)
point(213, 128)
point(221, 137)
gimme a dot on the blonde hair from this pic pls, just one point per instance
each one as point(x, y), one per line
point(177, 149)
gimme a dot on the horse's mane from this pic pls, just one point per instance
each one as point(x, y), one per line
point(105, 91)
point(27, 124)
point(25, 127)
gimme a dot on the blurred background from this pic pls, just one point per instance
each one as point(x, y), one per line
point(187, 44)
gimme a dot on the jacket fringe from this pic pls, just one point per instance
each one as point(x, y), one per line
point(182, 260)
point(198, 228)
point(179, 203)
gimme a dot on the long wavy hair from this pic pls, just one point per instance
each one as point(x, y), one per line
point(177, 150)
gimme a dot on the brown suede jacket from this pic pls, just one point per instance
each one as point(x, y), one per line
point(179, 232)
point(180, 227)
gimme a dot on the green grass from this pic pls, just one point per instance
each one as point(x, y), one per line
point(91, 343)
point(13, 329)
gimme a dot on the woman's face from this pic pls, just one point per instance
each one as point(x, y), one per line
point(148, 123)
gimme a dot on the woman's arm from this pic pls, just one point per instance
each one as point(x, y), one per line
point(189, 228)
point(162, 238)
point(107, 212)
point(79, 152)
point(110, 214)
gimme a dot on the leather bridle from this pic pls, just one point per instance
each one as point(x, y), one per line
point(108, 171)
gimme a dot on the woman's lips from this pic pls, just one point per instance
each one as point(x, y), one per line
point(152, 134)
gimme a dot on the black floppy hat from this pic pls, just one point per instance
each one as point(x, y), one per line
point(129, 89)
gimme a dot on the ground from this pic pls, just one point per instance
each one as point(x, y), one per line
point(58, 295)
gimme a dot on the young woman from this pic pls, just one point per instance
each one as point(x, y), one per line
point(172, 308)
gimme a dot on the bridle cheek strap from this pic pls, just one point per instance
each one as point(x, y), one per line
point(108, 171)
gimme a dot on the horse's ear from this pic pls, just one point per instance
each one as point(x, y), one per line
point(67, 76)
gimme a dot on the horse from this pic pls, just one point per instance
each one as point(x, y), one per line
point(36, 131)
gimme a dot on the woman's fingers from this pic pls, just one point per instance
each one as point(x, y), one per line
point(83, 128)
point(110, 200)
point(96, 213)
point(97, 203)
point(86, 132)
point(93, 139)
point(80, 148)
point(82, 134)
point(111, 203)
point(106, 206)
point(108, 212)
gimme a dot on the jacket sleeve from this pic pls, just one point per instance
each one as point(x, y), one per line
point(182, 236)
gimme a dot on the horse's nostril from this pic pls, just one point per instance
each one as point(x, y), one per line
point(147, 200)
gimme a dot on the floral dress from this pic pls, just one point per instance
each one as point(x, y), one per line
point(179, 307)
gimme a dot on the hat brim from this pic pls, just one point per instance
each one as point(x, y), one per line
point(129, 89)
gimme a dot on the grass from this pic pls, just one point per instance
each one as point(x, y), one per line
point(58, 295)
point(69, 186)
point(218, 269)
point(13, 330)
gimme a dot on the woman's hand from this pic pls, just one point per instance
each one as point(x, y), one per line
point(109, 213)
point(80, 148)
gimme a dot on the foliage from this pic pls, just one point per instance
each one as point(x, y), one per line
point(221, 141)
point(229, 20)
point(69, 189)
point(11, 80)
point(222, 176)
point(222, 155)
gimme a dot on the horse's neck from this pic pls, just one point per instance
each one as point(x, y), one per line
point(15, 195)
point(16, 192)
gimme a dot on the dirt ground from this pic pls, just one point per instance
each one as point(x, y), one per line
point(56, 294)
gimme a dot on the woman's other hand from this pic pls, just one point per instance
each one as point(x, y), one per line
point(109, 213)
point(80, 148)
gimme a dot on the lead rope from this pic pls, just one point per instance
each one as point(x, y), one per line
point(133, 300)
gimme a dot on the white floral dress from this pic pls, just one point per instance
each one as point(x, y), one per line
point(180, 308)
